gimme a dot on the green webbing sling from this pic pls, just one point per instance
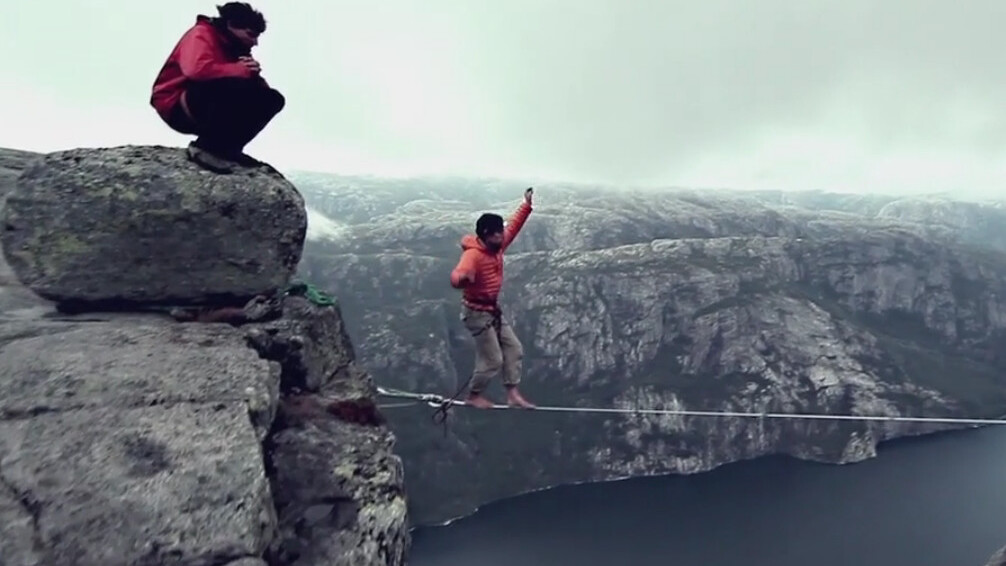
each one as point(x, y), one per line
point(310, 292)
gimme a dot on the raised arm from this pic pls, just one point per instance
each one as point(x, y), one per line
point(464, 272)
point(195, 57)
point(517, 220)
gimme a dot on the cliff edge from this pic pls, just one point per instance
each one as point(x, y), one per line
point(128, 437)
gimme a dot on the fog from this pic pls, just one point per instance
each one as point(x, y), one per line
point(896, 97)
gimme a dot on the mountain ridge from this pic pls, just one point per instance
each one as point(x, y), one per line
point(729, 300)
point(627, 294)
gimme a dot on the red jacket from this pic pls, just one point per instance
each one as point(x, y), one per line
point(202, 53)
point(485, 265)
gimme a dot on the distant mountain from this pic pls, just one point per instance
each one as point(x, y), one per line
point(680, 299)
point(726, 300)
point(980, 224)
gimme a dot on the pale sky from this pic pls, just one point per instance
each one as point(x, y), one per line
point(894, 96)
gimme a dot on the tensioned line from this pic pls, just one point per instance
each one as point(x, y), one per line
point(440, 401)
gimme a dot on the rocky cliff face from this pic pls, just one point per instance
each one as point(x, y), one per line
point(14, 297)
point(129, 438)
point(678, 300)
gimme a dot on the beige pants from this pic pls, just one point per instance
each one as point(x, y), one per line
point(496, 347)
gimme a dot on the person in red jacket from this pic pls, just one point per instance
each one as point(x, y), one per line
point(479, 273)
point(212, 87)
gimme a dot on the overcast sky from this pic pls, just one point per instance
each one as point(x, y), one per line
point(852, 95)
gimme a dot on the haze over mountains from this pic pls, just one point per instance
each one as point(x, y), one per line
point(715, 300)
point(697, 299)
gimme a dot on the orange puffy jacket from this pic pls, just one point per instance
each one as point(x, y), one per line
point(486, 266)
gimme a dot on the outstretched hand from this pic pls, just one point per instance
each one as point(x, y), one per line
point(527, 194)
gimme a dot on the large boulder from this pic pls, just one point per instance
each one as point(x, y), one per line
point(125, 226)
point(15, 299)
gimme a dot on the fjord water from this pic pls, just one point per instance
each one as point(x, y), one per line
point(937, 500)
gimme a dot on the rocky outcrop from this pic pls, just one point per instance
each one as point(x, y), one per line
point(137, 440)
point(140, 225)
point(337, 483)
point(127, 438)
point(677, 301)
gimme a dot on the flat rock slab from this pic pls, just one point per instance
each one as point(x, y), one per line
point(166, 485)
point(133, 440)
point(131, 362)
point(93, 228)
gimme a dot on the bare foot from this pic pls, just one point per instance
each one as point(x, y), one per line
point(515, 399)
point(478, 401)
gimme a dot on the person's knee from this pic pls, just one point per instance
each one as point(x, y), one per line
point(276, 100)
point(514, 351)
point(490, 363)
point(511, 345)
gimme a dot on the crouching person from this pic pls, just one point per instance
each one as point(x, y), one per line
point(211, 87)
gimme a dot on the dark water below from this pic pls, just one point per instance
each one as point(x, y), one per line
point(930, 501)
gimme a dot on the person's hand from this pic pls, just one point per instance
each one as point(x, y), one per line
point(467, 278)
point(527, 194)
point(250, 62)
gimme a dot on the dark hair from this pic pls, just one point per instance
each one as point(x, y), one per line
point(242, 15)
point(487, 224)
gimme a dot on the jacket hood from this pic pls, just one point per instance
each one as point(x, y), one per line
point(230, 44)
point(472, 242)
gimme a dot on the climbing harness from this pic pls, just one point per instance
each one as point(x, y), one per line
point(309, 292)
point(443, 404)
